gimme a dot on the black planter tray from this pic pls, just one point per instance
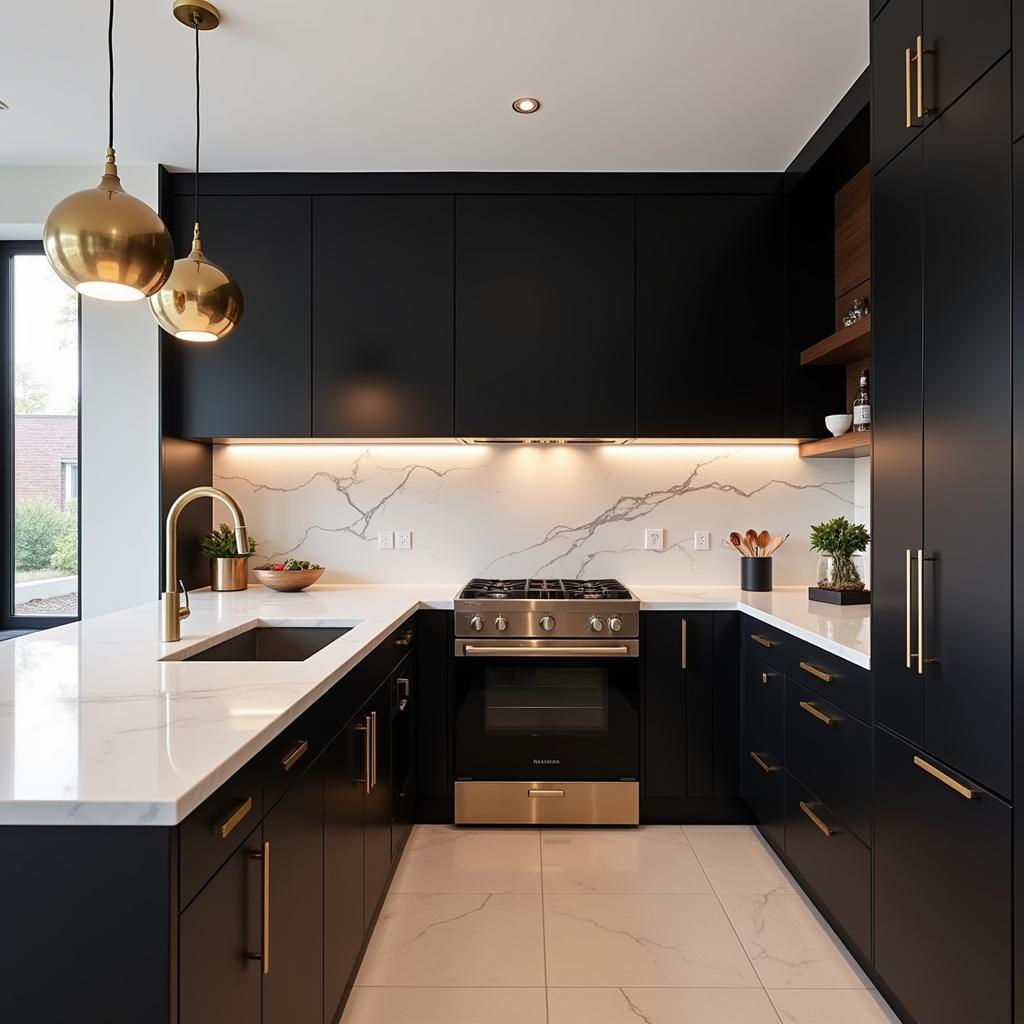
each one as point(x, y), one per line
point(839, 596)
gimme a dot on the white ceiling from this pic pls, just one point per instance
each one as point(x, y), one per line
point(343, 85)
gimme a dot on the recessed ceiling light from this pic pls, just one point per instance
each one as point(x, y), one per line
point(526, 105)
point(3, 106)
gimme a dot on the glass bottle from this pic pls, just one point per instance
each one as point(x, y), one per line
point(862, 404)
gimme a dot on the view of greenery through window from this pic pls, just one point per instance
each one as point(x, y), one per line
point(46, 394)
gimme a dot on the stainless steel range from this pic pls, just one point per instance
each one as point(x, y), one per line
point(546, 701)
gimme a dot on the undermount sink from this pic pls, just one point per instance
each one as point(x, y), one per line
point(272, 643)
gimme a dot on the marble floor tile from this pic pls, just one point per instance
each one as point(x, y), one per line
point(473, 939)
point(446, 1006)
point(653, 859)
point(788, 945)
point(736, 859)
point(836, 1006)
point(660, 1006)
point(478, 860)
point(671, 941)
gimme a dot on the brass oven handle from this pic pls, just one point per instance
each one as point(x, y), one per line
point(817, 713)
point(826, 830)
point(958, 787)
point(816, 672)
point(373, 756)
point(762, 763)
point(762, 640)
point(540, 652)
point(293, 756)
point(264, 954)
point(227, 826)
point(683, 648)
point(906, 65)
point(546, 792)
point(365, 727)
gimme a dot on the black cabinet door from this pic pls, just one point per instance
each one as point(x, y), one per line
point(256, 381)
point(293, 841)
point(897, 442)
point(709, 268)
point(219, 943)
point(968, 432)
point(544, 316)
point(377, 803)
point(404, 699)
point(664, 705)
point(433, 653)
point(893, 32)
point(942, 891)
point(383, 350)
point(1018, 565)
point(345, 763)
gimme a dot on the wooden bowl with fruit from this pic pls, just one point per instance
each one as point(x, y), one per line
point(289, 576)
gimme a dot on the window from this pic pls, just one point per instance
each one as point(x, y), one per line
point(39, 431)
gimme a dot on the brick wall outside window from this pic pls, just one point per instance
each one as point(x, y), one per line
point(42, 443)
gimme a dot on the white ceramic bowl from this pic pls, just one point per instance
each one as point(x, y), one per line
point(839, 424)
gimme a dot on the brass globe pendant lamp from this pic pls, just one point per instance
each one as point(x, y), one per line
point(199, 301)
point(103, 242)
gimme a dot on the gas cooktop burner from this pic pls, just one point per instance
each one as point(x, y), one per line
point(545, 590)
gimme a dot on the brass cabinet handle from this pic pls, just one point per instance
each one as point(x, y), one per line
point(264, 954)
point(365, 728)
point(920, 611)
point(373, 748)
point(762, 763)
point(816, 672)
point(817, 712)
point(958, 787)
point(294, 755)
point(826, 830)
point(919, 57)
point(683, 648)
point(764, 677)
point(227, 826)
point(405, 639)
point(910, 557)
point(906, 65)
point(762, 640)
point(546, 792)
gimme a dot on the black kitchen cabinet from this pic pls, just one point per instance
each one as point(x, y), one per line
point(762, 746)
point(544, 316)
point(1018, 564)
point(404, 698)
point(432, 716)
point(894, 30)
point(941, 889)
point(256, 381)
point(377, 805)
point(1017, 19)
point(383, 345)
point(701, 261)
point(293, 840)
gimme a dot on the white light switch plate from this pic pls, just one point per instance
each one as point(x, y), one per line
point(385, 540)
point(403, 539)
point(701, 540)
point(654, 540)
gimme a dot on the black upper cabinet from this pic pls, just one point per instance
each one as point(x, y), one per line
point(709, 281)
point(256, 381)
point(892, 33)
point(544, 316)
point(383, 316)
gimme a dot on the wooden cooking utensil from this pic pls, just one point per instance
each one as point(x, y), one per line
point(752, 542)
point(764, 538)
point(737, 543)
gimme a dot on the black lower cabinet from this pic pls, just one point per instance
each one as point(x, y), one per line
point(942, 889)
point(377, 807)
point(404, 699)
point(762, 778)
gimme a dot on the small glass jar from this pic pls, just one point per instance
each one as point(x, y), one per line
point(841, 573)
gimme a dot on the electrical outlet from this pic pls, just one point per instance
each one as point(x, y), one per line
point(701, 540)
point(403, 539)
point(385, 540)
point(654, 540)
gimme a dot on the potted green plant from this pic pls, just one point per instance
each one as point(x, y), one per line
point(841, 565)
point(228, 569)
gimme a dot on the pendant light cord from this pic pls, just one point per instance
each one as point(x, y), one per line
point(110, 64)
point(195, 19)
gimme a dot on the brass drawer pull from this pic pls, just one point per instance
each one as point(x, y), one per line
point(227, 826)
point(405, 639)
point(816, 672)
point(762, 640)
point(762, 763)
point(546, 792)
point(965, 791)
point(826, 830)
point(817, 712)
point(764, 677)
point(293, 756)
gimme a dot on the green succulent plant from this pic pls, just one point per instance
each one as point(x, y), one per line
point(220, 543)
point(841, 539)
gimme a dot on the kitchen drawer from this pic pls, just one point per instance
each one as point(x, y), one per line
point(401, 641)
point(284, 759)
point(830, 751)
point(763, 782)
point(837, 680)
point(216, 828)
point(767, 642)
point(763, 705)
point(833, 862)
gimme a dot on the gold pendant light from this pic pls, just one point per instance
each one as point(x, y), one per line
point(103, 242)
point(199, 301)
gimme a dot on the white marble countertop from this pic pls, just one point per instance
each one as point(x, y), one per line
point(101, 725)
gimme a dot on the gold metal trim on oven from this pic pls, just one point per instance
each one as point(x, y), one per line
point(816, 672)
point(227, 826)
point(820, 715)
point(937, 773)
point(547, 803)
point(538, 648)
point(762, 763)
point(826, 830)
point(545, 792)
point(292, 758)
point(762, 640)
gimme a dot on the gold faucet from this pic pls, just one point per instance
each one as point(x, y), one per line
point(170, 602)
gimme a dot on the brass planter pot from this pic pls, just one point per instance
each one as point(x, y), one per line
point(229, 573)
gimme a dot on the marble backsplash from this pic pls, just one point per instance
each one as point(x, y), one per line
point(515, 510)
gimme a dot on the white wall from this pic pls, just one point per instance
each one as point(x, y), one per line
point(120, 402)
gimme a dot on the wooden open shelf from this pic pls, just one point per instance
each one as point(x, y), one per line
point(851, 445)
point(848, 345)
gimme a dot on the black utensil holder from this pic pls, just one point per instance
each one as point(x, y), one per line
point(756, 574)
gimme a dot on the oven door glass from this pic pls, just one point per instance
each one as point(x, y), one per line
point(546, 718)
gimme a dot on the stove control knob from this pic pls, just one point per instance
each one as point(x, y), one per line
point(501, 623)
point(476, 623)
point(596, 625)
point(615, 623)
point(547, 623)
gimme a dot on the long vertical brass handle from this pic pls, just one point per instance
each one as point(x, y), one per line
point(921, 51)
point(910, 652)
point(920, 612)
point(266, 906)
point(906, 58)
point(365, 729)
point(373, 745)
point(683, 648)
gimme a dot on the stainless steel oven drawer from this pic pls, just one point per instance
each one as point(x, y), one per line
point(547, 803)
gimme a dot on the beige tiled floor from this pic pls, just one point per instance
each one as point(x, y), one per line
point(694, 924)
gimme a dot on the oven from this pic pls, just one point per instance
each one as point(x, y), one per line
point(547, 731)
